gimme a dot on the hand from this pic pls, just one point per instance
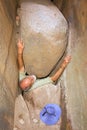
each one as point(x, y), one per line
point(20, 46)
point(66, 61)
point(17, 20)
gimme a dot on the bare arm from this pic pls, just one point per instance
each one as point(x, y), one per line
point(20, 48)
point(61, 69)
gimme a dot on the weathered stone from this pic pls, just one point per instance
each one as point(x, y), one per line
point(36, 100)
point(75, 77)
point(44, 31)
point(39, 97)
point(11, 69)
point(76, 13)
point(22, 115)
point(6, 106)
point(8, 65)
point(27, 109)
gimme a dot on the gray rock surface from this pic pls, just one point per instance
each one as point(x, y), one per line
point(44, 31)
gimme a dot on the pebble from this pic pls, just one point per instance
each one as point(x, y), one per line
point(35, 120)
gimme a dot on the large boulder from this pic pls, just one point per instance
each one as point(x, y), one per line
point(44, 31)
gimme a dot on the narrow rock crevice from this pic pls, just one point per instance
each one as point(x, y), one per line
point(43, 54)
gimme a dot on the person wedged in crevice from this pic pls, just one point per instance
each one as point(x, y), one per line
point(30, 82)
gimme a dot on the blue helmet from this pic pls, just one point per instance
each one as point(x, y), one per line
point(50, 114)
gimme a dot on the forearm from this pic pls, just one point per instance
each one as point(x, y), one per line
point(20, 49)
point(59, 72)
point(20, 62)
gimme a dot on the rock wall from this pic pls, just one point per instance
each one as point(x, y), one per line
point(75, 77)
point(8, 64)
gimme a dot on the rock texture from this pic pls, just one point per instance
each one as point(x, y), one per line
point(27, 112)
point(22, 116)
point(8, 65)
point(44, 31)
point(75, 78)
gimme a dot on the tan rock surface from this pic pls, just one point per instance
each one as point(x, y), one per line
point(22, 116)
point(75, 78)
point(8, 64)
point(27, 110)
point(44, 31)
